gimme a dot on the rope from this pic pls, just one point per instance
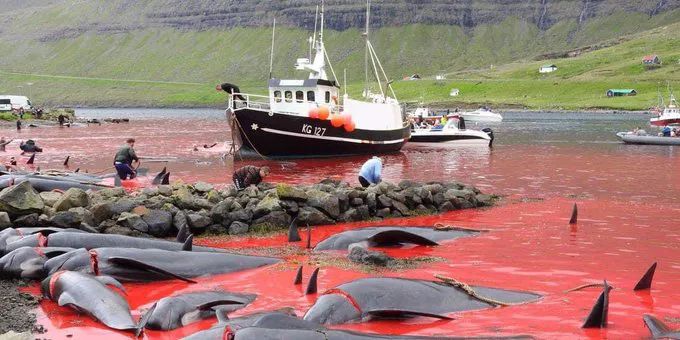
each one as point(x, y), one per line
point(248, 139)
point(587, 285)
point(446, 227)
point(467, 289)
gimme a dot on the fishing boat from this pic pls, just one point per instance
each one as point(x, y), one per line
point(309, 117)
point(453, 131)
point(634, 138)
point(482, 114)
point(670, 114)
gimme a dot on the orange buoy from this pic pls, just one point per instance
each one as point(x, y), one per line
point(346, 118)
point(350, 127)
point(314, 113)
point(337, 120)
point(324, 113)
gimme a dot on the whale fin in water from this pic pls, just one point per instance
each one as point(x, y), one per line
point(159, 177)
point(188, 243)
point(658, 329)
point(598, 315)
point(31, 160)
point(646, 280)
point(574, 215)
point(309, 237)
point(293, 234)
point(66, 160)
point(390, 237)
point(132, 263)
point(166, 179)
point(298, 277)
point(312, 285)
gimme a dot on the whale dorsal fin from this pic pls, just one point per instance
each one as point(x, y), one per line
point(598, 315)
point(403, 312)
point(159, 177)
point(188, 243)
point(646, 280)
point(293, 234)
point(128, 262)
point(390, 237)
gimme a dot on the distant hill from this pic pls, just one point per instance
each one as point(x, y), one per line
point(205, 41)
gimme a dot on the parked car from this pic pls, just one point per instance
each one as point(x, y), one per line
point(5, 105)
point(19, 102)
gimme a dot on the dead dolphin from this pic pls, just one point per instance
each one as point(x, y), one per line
point(180, 310)
point(225, 324)
point(11, 235)
point(270, 326)
point(27, 262)
point(386, 236)
point(89, 241)
point(658, 329)
point(86, 293)
point(43, 183)
point(375, 297)
point(143, 265)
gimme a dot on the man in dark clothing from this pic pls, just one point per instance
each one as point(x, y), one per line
point(29, 147)
point(124, 158)
point(18, 125)
point(248, 175)
point(3, 143)
point(230, 88)
point(61, 120)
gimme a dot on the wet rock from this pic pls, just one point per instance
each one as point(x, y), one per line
point(484, 200)
point(213, 196)
point(290, 207)
point(358, 254)
point(133, 221)
point(243, 215)
point(229, 191)
point(325, 202)
point(384, 201)
point(4, 220)
point(289, 192)
point(119, 230)
point(179, 221)
point(165, 190)
point(251, 191)
point(50, 197)
point(203, 187)
point(313, 216)
point(21, 199)
point(356, 201)
point(273, 221)
point(85, 215)
point(401, 208)
point(66, 219)
point(238, 228)
point(267, 205)
point(101, 212)
point(150, 192)
point(266, 186)
point(464, 204)
point(350, 215)
point(405, 184)
point(159, 222)
point(122, 205)
point(454, 193)
point(372, 201)
point(27, 221)
point(101, 227)
point(363, 212)
point(112, 192)
point(198, 222)
point(438, 198)
point(216, 229)
point(354, 193)
point(382, 213)
point(433, 188)
point(220, 212)
point(446, 206)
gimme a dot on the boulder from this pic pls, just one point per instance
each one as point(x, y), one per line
point(150, 192)
point(289, 192)
point(213, 196)
point(122, 205)
point(229, 191)
point(484, 200)
point(356, 201)
point(384, 201)
point(101, 212)
point(21, 199)
point(352, 214)
point(216, 229)
point(220, 211)
point(112, 192)
point(119, 230)
point(405, 184)
point(272, 221)
point(251, 191)
point(198, 222)
point(433, 188)
point(159, 222)
point(446, 206)
point(372, 201)
point(203, 187)
point(267, 205)
point(140, 210)
point(85, 215)
point(382, 213)
point(4, 220)
point(50, 197)
point(363, 212)
point(454, 193)
point(238, 228)
point(27, 221)
point(165, 190)
point(401, 208)
point(313, 216)
point(133, 221)
point(438, 198)
point(291, 207)
point(66, 219)
point(397, 196)
point(361, 255)
point(324, 201)
point(179, 221)
point(243, 215)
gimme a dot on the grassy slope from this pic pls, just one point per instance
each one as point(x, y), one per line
point(200, 59)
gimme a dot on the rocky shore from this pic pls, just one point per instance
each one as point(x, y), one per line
point(162, 211)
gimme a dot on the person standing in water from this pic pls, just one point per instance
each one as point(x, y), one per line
point(249, 175)
point(371, 172)
point(124, 158)
point(3, 143)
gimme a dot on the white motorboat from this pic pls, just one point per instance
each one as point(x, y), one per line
point(670, 114)
point(453, 131)
point(635, 138)
point(482, 115)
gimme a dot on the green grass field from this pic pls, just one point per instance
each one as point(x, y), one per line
point(491, 65)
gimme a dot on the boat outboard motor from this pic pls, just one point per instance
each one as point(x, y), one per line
point(489, 132)
point(461, 123)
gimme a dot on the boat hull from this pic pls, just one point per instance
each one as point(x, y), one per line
point(288, 136)
point(664, 122)
point(447, 138)
point(647, 140)
point(484, 117)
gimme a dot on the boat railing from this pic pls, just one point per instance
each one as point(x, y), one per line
point(240, 101)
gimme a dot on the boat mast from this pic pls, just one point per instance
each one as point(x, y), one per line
point(368, 16)
point(271, 56)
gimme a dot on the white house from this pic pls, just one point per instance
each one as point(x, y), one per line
point(454, 92)
point(547, 68)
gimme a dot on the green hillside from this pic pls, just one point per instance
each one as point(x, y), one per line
point(494, 63)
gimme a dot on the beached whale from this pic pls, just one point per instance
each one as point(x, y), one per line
point(48, 183)
point(11, 235)
point(89, 241)
point(89, 294)
point(144, 265)
point(27, 262)
point(660, 330)
point(180, 310)
point(277, 325)
point(376, 297)
point(389, 236)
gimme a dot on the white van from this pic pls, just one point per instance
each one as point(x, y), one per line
point(5, 105)
point(19, 102)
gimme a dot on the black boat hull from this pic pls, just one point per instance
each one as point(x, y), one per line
point(287, 136)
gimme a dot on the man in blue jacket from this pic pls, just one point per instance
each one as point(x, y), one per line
point(370, 172)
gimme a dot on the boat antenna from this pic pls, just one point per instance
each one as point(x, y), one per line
point(368, 18)
point(322, 20)
point(271, 55)
point(344, 80)
point(313, 40)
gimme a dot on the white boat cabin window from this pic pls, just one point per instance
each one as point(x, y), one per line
point(289, 96)
point(328, 96)
point(310, 96)
point(277, 96)
point(299, 96)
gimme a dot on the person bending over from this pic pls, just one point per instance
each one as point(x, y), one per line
point(370, 172)
point(124, 158)
point(29, 147)
point(230, 88)
point(249, 175)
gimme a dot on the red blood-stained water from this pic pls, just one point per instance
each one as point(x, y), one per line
point(627, 206)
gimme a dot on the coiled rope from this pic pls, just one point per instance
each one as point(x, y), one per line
point(467, 289)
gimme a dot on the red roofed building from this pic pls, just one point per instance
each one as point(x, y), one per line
point(651, 59)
